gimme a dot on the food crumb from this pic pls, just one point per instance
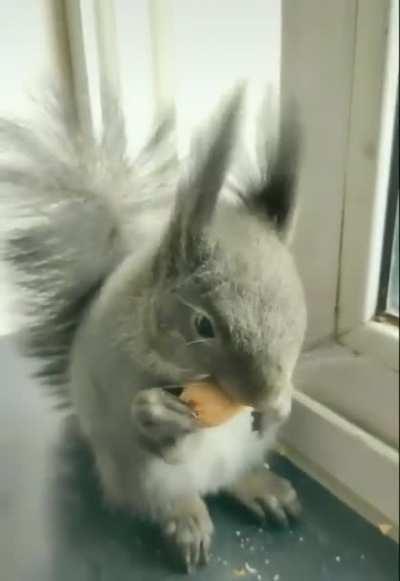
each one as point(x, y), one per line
point(260, 530)
point(252, 549)
point(266, 561)
point(362, 557)
point(259, 577)
point(238, 533)
point(385, 528)
point(250, 569)
point(301, 539)
point(276, 577)
point(266, 465)
point(225, 563)
point(338, 559)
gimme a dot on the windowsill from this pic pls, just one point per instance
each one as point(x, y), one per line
point(380, 340)
point(342, 434)
point(355, 386)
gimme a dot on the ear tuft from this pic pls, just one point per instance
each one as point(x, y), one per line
point(201, 182)
point(210, 156)
point(274, 195)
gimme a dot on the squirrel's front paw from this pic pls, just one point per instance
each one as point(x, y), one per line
point(267, 496)
point(162, 420)
point(190, 529)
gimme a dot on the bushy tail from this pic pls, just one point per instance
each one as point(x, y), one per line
point(66, 197)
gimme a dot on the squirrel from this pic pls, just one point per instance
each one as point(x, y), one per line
point(138, 276)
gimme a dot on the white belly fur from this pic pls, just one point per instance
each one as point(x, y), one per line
point(213, 458)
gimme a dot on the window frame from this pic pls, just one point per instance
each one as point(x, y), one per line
point(367, 179)
point(324, 438)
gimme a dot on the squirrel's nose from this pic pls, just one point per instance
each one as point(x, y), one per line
point(277, 401)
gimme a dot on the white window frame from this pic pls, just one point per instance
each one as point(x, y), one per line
point(353, 454)
point(367, 182)
point(343, 181)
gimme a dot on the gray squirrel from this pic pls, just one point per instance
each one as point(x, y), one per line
point(139, 276)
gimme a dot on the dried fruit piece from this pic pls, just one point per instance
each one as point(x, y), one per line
point(212, 406)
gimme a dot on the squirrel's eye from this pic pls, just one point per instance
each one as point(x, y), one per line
point(204, 327)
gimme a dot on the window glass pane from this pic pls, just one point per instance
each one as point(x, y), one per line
point(388, 299)
point(393, 295)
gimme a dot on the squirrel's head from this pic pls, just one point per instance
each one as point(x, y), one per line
point(228, 302)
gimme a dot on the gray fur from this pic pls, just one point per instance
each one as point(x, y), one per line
point(69, 203)
point(112, 307)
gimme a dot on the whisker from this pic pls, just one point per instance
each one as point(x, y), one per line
point(197, 341)
point(199, 377)
point(169, 386)
point(186, 303)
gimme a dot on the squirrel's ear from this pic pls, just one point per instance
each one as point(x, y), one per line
point(274, 196)
point(202, 180)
